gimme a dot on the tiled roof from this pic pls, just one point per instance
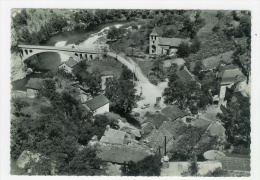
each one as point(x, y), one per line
point(185, 75)
point(71, 62)
point(216, 129)
point(154, 32)
point(97, 102)
point(173, 112)
point(105, 73)
point(155, 119)
point(168, 129)
point(121, 153)
point(175, 42)
point(113, 136)
point(35, 83)
point(232, 76)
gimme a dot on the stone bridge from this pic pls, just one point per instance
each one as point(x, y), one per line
point(27, 51)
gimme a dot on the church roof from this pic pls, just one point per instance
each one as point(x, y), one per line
point(171, 41)
point(154, 32)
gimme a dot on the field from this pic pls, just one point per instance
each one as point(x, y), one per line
point(106, 64)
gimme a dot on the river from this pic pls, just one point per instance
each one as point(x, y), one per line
point(51, 60)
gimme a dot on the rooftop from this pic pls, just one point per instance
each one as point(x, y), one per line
point(113, 136)
point(70, 62)
point(35, 83)
point(156, 119)
point(97, 102)
point(173, 112)
point(186, 76)
point(171, 41)
point(106, 73)
point(168, 129)
point(121, 153)
point(232, 75)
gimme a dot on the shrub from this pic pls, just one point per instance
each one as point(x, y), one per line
point(240, 149)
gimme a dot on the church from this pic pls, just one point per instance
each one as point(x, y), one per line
point(161, 45)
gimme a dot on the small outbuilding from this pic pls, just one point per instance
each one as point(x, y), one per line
point(98, 105)
point(68, 65)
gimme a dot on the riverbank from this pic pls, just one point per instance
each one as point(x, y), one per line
point(17, 70)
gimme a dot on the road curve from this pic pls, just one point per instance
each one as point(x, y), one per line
point(133, 66)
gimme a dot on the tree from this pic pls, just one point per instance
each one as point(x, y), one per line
point(172, 69)
point(49, 88)
point(187, 95)
point(86, 163)
point(183, 50)
point(195, 46)
point(236, 119)
point(126, 73)
point(193, 167)
point(113, 33)
point(149, 166)
point(158, 66)
point(93, 81)
point(18, 103)
point(121, 93)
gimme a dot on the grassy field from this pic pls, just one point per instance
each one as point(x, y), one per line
point(146, 67)
point(106, 64)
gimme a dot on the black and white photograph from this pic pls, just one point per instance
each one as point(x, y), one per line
point(130, 91)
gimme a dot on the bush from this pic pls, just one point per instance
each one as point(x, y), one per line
point(241, 150)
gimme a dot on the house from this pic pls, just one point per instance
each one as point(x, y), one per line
point(113, 136)
point(98, 105)
point(104, 77)
point(168, 129)
point(161, 45)
point(228, 78)
point(186, 76)
point(68, 65)
point(173, 113)
point(33, 86)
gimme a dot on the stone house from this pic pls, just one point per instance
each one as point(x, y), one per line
point(98, 105)
point(68, 65)
point(161, 45)
point(34, 86)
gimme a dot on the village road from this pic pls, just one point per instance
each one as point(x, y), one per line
point(148, 90)
point(131, 65)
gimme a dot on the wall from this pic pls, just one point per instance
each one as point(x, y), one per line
point(222, 92)
point(102, 109)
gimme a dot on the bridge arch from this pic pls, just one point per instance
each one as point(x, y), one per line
point(27, 51)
